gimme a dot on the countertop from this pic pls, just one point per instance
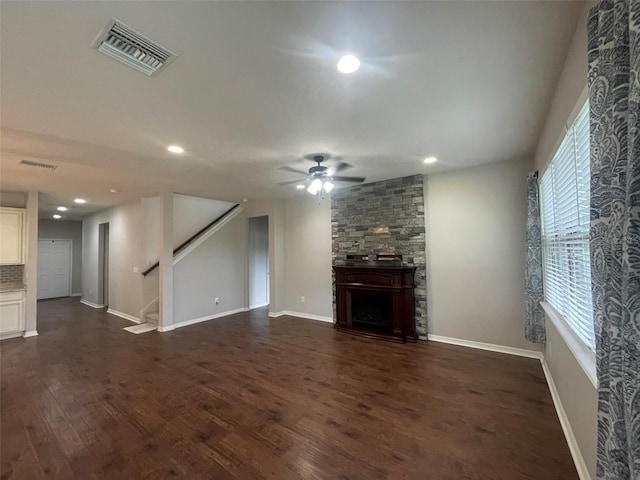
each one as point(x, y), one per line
point(11, 287)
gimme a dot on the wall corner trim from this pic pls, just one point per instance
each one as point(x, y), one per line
point(578, 459)
point(91, 304)
point(126, 316)
point(32, 333)
point(166, 329)
point(521, 352)
point(309, 316)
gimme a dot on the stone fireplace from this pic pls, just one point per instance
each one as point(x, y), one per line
point(375, 218)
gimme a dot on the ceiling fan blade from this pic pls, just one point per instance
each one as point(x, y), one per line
point(291, 182)
point(290, 169)
point(342, 166)
point(349, 179)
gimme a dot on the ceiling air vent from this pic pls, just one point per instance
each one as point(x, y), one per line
point(45, 166)
point(133, 49)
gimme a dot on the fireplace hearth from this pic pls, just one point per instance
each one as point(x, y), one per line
point(376, 300)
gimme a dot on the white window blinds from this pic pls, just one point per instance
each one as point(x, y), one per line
point(564, 197)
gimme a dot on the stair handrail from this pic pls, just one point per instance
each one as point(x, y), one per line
point(192, 238)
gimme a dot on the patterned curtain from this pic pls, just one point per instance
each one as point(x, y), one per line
point(614, 95)
point(534, 328)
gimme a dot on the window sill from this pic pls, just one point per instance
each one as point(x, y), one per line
point(585, 357)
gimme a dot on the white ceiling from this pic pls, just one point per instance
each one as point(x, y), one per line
point(255, 87)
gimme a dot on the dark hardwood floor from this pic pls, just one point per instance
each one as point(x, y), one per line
point(248, 397)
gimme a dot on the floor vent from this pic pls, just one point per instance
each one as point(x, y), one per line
point(132, 48)
point(45, 166)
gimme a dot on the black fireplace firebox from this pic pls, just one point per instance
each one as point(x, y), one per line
point(370, 310)
point(376, 301)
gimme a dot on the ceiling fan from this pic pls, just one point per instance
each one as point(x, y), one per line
point(320, 177)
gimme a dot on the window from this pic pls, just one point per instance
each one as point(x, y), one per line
point(564, 198)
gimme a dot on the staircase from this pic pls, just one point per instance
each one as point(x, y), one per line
point(150, 315)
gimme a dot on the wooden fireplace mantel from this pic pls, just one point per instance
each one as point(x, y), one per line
point(393, 285)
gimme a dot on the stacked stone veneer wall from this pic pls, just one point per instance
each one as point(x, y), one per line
point(397, 204)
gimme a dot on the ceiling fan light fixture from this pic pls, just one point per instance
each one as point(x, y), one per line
point(348, 64)
point(300, 186)
point(328, 186)
point(315, 186)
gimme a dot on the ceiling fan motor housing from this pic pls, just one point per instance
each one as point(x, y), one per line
point(317, 169)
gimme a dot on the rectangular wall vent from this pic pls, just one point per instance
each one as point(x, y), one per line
point(132, 48)
point(45, 166)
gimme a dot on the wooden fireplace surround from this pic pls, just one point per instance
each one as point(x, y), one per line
point(395, 281)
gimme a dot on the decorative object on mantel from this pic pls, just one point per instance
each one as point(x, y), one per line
point(376, 301)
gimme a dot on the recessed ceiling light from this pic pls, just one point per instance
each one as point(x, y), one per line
point(175, 149)
point(300, 187)
point(79, 200)
point(56, 216)
point(114, 190)
point(348, 64)
point(62, 209)
point(430, 160)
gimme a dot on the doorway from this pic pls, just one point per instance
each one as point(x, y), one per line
point(54, 268)
point(103, 264)
point(258, 262)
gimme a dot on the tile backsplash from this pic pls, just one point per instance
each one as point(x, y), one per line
point(11, 273)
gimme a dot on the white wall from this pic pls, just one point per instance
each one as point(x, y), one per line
point(13, 199)
point(214, 269)
point(577, 394)
point(124, 255)
point(150, 241)
point(63, 229)
point(571, 88)
point(191, 214)
point(476, 225)
point(308, 256)
point(258, 261)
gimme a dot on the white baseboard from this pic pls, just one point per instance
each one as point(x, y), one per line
point(91, 304)
point(76, 294)
point(126, 316)
point(8, 335)
point(32, 333)
point(258, 305)
point(166, 329)
point(193, 321)
point(309, 316)
point(578, 459)
point(521, 352)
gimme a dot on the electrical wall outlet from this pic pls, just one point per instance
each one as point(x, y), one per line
point(302, 299)
point(135, 269)
point(217, 300)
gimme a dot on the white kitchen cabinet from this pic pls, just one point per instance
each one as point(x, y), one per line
point(12, 236)
point(12, 312)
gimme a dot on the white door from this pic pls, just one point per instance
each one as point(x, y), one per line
point(54, 268)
